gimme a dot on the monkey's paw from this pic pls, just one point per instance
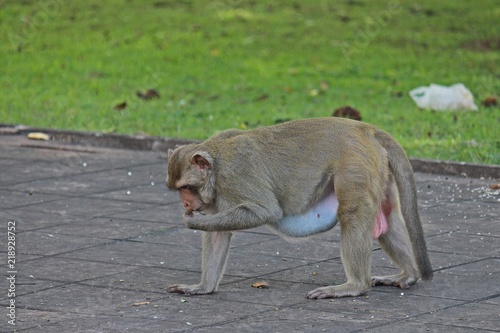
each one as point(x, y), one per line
point(188, 290)
point(194, 220)
point(343, 290)
point(401, 280)
point(193, 213)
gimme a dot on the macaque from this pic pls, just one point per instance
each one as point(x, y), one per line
point(300, 178)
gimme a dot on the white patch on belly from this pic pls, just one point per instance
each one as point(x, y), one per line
point(319, 218)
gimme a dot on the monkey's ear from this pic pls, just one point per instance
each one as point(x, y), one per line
point(169, 153)
point(202, 160)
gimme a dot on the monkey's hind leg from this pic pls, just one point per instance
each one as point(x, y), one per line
point(356, 251)
point(214, 257)
point(396, 243)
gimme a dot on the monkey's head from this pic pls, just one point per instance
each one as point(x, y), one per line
point(190, 172)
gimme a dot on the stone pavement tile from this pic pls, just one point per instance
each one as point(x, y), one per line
point(156, 193)
point(84, 300)
point(446, 219)
point(6, 162)
point(87, 207)
point(98, 302)
point(243, 240)
point(286, 319)
point(310, 249)
point(27, 284)
point(417, 327)
point(67, 186)
point(474, 281)
point(463, 212)
point(279, 293)
point(31, 320)
point(27, 171)
point(331, 272)
point(54, 322)
point(469, 244)
point(472, 316)
point(45, 244)
point(202, 311)
point(443, 186)
point(302, 272)
point(94, 158)
point(346, 315)
point(57, 269)
point(141, 254)
point(29, 154)
point(379, 305)
point(381, 262)
point(32, 220)
point(494, 300)
point(167, 213)
point(20, 199)
point(108, 228)
point(178, 257)
point(179, 234)
point(148, 279)
point(84, 184)
point(239, 264)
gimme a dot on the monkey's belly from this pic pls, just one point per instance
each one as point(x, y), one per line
point(319, 218)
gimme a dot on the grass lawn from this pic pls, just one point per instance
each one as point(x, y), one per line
point(233, 63)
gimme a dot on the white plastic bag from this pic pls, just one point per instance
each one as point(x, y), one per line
point(438, 97)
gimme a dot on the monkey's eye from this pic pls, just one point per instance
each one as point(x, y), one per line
point(189, 188)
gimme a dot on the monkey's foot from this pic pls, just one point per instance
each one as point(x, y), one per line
point(401, 280)
point(346, 289)
point(188, 290)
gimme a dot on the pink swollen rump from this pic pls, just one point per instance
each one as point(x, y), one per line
point(381, 226)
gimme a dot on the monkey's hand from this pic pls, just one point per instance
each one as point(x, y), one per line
point(194, 219)
point(189, 290)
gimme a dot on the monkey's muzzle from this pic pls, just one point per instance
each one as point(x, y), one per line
point(193, 213)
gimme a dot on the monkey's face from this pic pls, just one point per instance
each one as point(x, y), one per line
point(191, 200)
point(191, 175)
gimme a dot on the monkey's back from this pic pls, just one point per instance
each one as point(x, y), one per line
point(293, 157)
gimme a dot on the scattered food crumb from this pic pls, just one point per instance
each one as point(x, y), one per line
point(141, 303)
point(38, 136)
point(261, 285)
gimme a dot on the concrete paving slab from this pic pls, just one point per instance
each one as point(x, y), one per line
point(87, 207)
point(166, 213)
point(32, 220)
point(92, 257)
point(12, 199)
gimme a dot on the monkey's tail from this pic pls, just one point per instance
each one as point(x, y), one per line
point(403, 174)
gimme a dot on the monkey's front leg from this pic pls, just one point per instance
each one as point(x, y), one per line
point(213, 262)
point(240, 217)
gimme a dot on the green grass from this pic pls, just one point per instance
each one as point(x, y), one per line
point(233, 63)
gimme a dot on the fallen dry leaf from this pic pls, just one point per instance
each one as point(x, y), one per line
point(120, 106)
point(149, 94)
point(141, 303)
point(495, 186)
point(38, 136)
point(347, 112)
point(262, 97)
point(490, 101)
point(261, 284)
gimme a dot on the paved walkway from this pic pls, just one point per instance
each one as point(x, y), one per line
point(98, 238)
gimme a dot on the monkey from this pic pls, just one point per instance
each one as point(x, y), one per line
point(301, 178)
